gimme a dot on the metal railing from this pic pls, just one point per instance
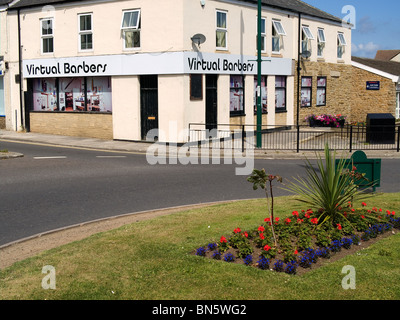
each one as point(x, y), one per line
point(298, 138)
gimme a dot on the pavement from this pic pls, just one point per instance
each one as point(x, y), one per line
point(142, 147)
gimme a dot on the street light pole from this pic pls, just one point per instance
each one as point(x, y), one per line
point(259, 61)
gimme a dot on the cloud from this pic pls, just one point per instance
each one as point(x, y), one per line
point(367, 50)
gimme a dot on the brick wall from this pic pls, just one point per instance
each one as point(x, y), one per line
point(2, 122)
point(371, 101)
point(346, 92)
point(338, 89)
point(73, 124)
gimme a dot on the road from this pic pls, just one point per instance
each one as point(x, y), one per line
point(53, 187)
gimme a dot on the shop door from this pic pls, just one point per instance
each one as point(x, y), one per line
point(149, 106)
point(211, 102)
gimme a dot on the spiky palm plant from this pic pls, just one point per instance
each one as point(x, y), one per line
point(326, 188)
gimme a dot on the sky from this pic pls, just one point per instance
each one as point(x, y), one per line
point(376, 23)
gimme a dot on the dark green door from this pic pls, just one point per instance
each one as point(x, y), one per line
point(211, 101)
point(149, 106)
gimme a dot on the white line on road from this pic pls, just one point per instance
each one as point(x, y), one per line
point(54, 157)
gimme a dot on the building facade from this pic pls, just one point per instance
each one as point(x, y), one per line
point(118, 69)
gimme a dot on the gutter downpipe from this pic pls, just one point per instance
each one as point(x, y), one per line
point(298, 85)
point(21, 107)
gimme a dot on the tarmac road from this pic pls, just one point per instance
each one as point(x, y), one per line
point(53, 187)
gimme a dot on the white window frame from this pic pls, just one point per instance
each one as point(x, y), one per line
point(221, 29)
point(46, 36)
point(85, 32)
point(321, 42)
point(280, 31)
point(134, 28)
point(308, 36)
point(341, 44)
point(263, 34)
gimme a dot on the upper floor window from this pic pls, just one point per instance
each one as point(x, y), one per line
point(341, 44)
point(263, 35)
point(221, 30)
point(277, 32)
point(47, 35)
point(321, 42)
point(307, 36)
point(85, 32)
point(130, 27)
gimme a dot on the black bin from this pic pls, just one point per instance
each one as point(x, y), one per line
point(381, 128)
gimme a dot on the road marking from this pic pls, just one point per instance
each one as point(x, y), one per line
point(110, 156)
point(54, 157)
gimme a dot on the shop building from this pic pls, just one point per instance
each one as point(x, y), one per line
point(117, 69)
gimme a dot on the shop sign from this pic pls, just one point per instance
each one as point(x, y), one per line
point(147, 63)
point(373, 85)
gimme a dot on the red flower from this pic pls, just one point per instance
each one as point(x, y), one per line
point(277, 219)
point(287, 220)
point(362, 217)
point(295, 251)
point(393, 213)
point(262, 237)
point(237, 230)
point(314, 220)
point(267, 247)
point(295, 213)
point(261, 228)
point(246, 234)
point(267, 220)
point(299, 220)
point(352, 210)
point(363, 204)
point(339, 226)
point(223, 240)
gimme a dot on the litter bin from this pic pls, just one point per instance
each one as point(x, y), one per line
point(380, 128)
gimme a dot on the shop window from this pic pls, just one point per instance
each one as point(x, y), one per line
point(45, 94)
point(130, 27)
point(196, 87)
point(307, 36)
point(306, 91)
point(236, 95)
point(85, 32)
point(47, 35)
point(264, 100)
point(321, 42)
point(341, 44)
point(222, 30)
point(91, 94)
point(263, 36)
point(280, 94)
point(321, 91)
point(277, 32)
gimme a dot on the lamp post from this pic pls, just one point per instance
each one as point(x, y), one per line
point(259, 61)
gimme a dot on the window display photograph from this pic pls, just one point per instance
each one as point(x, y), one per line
point(264, 100)
point(280, 93)
point(72, 94)
point(45, 94)
point(236, 94)
point(98, 90)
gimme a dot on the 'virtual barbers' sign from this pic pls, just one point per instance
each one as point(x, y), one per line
point(147, 63)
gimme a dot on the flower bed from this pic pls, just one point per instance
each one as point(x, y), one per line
point(303, 243)
point(326, 120)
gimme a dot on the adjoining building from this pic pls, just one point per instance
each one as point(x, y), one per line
point(376, 87)
point(118, 69)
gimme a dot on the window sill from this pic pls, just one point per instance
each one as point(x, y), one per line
point(234, 115)
point(222, 50)
point(280, 111)
point(276, 55)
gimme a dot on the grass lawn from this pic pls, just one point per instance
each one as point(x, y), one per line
point(153, 260)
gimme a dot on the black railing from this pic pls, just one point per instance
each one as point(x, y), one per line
point(298, 138)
